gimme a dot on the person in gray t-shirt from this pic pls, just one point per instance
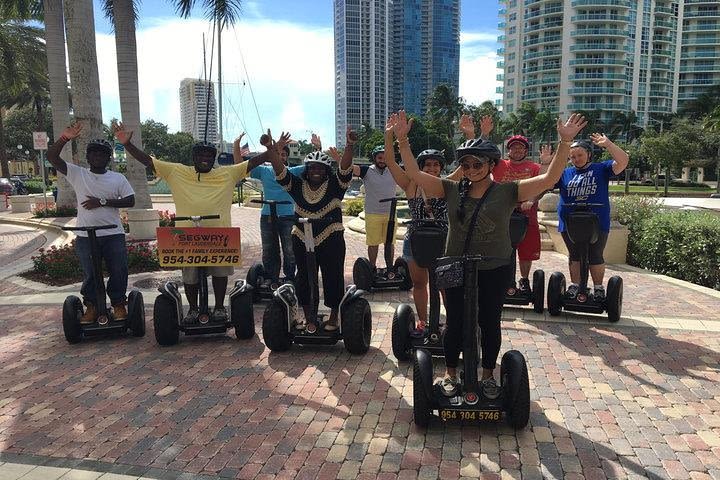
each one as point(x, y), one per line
point(379, 184)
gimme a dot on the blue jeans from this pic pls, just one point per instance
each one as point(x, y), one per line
point(113, 251)
point(271, 247)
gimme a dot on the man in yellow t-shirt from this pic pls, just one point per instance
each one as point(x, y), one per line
point(198, 190)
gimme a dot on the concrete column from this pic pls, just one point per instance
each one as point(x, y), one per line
point(143, 222)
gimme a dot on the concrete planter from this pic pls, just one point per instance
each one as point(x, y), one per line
point(143, 222)
point(23, 203)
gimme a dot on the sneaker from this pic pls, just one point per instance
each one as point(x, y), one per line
point(219, 314)
point(119, 312)
point(489, 388)
point(449, 386)
point(599, 293)
point(192, 317)
point(572, 290)
point(524, 285)
point(90, 315)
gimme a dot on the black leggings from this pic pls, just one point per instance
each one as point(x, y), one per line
point(491, 286)
point(330, 258)
point(595, 253)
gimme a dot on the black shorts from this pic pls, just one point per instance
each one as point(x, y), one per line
point(596, 249)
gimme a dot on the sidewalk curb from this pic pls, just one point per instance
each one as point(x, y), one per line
point(681, 283)
point(64, 237)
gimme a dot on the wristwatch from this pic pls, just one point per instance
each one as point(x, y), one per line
point(103, 202)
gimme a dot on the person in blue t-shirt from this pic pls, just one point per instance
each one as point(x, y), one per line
point(588, 182)
point(272, 241)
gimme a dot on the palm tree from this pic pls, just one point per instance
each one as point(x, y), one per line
point(543, 126)
point(704, 104)
point(625, 125)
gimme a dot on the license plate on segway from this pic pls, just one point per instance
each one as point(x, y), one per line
point(479, 416)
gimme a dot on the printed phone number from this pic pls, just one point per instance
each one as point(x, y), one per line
point(212, 259)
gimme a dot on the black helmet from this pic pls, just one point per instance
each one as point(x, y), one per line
point(584, 144)
point(99, 144)
point(479, 148)
point(204, 146)
point(431, 154)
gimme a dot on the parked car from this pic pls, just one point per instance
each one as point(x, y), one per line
point(19, 185)
point(6, 187)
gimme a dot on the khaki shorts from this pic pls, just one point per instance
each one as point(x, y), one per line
point(376, 228)
point(190, 274)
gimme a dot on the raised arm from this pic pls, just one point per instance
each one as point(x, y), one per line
point(125, 137)
point(398, 174)
point(347, 159)
point(620, 156)
point(70, 133)
point(530, 188)
point(273, 150)
point(431, 184)
point(237, 155)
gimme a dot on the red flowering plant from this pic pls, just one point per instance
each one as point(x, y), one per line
point(53, 210)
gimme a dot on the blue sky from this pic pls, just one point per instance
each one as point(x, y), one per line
point(280, 52)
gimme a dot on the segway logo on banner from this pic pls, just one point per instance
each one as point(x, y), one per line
point(198, 247)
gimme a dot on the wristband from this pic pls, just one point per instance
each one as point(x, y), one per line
point(63, 138)
point(403, 142)
point(566, 142)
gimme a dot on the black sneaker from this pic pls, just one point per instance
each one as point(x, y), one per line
point(489, 388)
point(449, 386)
point(572, 290)
point(524, 285)
point(599, 293)
point(192, 317)
point(219, 314)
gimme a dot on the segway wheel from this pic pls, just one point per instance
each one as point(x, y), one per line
point(403, 322)
point(254, 276)
point(421, 404)
point(72, 311)
point(165, 321)
point(241, 315)
point(556, 289)
point(363, 274)
point(614, 298)
point(538, 291)
point(401, 268)
point(516, 389)
point(357, 326)
point(275, 327)
point(136, 313)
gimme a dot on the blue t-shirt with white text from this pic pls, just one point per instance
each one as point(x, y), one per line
point(272, 189)
point(588, 185)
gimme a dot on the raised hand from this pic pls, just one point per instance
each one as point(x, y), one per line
point(486, 125)
point(600, 140)
point(315, 140)
point(546, 154)
point(402, 125)
point(122, 135)
point(352, 136)
point(282, 141)
point(390, 124)
point(266, 139)
point(237, 140)
point(467, 125)
point(72, 132)
point(334, 154)
point(571, 127)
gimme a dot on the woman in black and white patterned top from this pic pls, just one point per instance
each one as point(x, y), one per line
point(421, 207)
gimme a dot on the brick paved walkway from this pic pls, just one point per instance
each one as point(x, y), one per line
point(607, 401)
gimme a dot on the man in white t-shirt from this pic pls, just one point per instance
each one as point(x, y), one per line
point(100, 195)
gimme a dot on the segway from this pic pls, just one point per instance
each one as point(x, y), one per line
point(280, 320)
point(583, 227)
point(256, 274)
point(431, 238)
point(469, 404)
point(368, 278)
point(105, 323)
point(168, 309)
point(515, 296)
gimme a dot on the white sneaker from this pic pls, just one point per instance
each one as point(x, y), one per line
point(449, 386)
point(490, 388)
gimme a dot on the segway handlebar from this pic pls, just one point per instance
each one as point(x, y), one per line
point(88, 229)
point(397, 199)
point(422, 222)
point(270, 202)
point(195, 218)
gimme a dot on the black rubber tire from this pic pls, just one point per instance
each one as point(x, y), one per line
point(363, 274)
point(516, 389)
point(136, 313)
point(538, 291)
point(401, 268)
point(555, 292)
point(165, 321)
point(242, 316)
point(275, 327)
point(72, 311)
point(254, 275)
point(357, 326)
point(402, 323)
point(614, 298)
point(421, 404)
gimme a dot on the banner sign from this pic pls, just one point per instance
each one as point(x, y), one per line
point(198, 247)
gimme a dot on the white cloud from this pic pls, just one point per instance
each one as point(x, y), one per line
point(478, 66)
point(474, 37)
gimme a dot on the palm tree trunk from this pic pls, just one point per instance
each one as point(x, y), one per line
point(80, 31)
point(125, 45)
point(3, 155)
point(59, 94)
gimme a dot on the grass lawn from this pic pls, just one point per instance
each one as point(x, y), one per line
point(650, 189)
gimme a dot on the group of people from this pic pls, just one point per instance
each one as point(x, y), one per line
point(476, 201)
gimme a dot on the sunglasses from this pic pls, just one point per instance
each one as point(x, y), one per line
point(474, 165)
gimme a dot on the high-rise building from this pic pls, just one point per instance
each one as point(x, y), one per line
point(608, 55)
point(198, 115)
point(390, 54)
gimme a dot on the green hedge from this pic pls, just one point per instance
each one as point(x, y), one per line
point(681, 244)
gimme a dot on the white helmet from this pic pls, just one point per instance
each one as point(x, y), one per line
point(318, 157)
